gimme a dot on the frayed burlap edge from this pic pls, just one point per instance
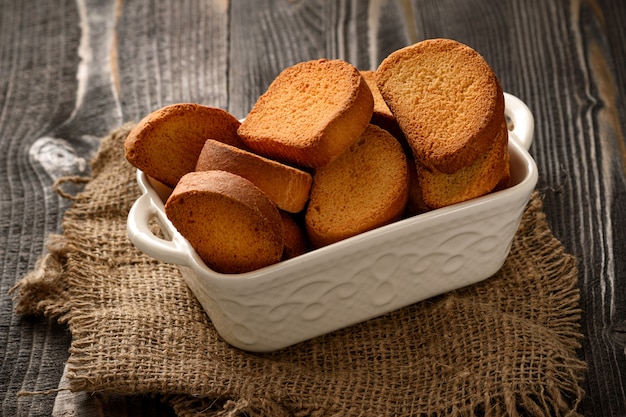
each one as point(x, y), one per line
point(44, 290)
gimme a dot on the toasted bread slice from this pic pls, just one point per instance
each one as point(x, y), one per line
point(488, 170)
point(415, 204)
point(166, 143)
point(382, 116)
point(296, 242)
point(446, 99)
point(310, 114)
point(233, 226)
point(364, 188)
point(286, 186)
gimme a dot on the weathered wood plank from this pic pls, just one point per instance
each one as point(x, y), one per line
point(37, 91)
point(171, 52)
point(574, 149)
point(272, 36)
point(62, 87)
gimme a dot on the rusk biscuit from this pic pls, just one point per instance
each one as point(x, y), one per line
point(382, 116)
point(364, 188)
point(310, 114)
point(488, 170)
point(446, 99)
point(166, 143)
point(296, 242)
point(286, 186)
point(233, 226)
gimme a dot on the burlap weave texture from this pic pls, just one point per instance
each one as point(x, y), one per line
point(506, 346)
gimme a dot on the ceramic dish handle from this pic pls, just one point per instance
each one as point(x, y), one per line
point(522, 120)
point(171, 251)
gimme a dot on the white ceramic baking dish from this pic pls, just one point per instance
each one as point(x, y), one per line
point(358, 278)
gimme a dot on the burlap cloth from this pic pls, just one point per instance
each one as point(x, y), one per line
point(506, 346)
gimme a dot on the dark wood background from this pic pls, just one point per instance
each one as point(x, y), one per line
point(72, 70)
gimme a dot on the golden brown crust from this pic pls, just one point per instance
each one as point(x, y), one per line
point(440, 189)
point(166, 143)
point(415, 204)
point(233, 226)
point(382, 116)
point(311, 113)
point(364, 188)
point(446, 99)
point(286, 186)
point(505, 181)
point(296, 242)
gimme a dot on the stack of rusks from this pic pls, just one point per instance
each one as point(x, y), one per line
point(328, 152)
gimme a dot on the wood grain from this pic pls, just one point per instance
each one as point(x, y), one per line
point(70, 71)
point(37, 90)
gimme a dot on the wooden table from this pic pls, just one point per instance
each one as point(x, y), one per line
point(70, 71)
